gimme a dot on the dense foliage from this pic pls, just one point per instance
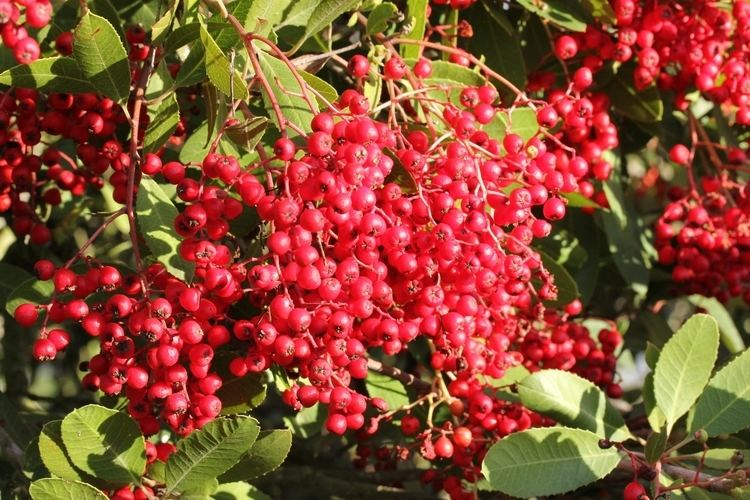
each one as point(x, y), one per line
point(360, 248)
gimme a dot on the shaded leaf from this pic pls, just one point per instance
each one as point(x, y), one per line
point(241, 394)
point(325, 13)
point(248, 133)
point(31, 291)
point(293, 107)
point(639, 105)
point(567, 290)
point(155, 214)
point(164, 121)
point(268, 452)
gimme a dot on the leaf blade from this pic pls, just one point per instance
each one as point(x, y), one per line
point(102, 57)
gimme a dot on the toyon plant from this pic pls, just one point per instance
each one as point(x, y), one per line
point(368, 249)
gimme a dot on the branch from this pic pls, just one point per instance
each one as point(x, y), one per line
point(406, 378)
point(706, 481)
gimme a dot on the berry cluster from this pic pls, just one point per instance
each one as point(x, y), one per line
point(705, 238)
point(33, 175)
point(16, 18)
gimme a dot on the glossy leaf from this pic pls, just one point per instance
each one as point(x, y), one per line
point(573, 401)
point(640, 105)
point(101, 56)
point(389, 389)
point(209, 452)
point(685, 365)
point(547, 461)
point(51, 74)
point(56, 489)
point(155, 214)
point(10, 277)
point(724, 406)
point(105, 443)
point(164, 121)
point(268, 452)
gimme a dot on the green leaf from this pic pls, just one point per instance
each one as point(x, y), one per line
point(238, 491)
point(306, 423)
point(160, 83)
point(520, 121)
point(241, 394)
point(547, 461)
point(155, 214)
point(389, 389)
point(248, 133)
point(326, 12)
point(182, 36)
point(567, 290)
point(655, 446)
point(684, 366)
point(209, 452)
point(55, 489)
point(163, 123)
point(218, 68)
point(260, 16)
point(573, 401)
point(31, 291)
point(108, 11)
point(416, 15)
point(380, 16)
point(54, 455)
point(300, 13)
point(294, 108)
point(51, 74)
point(105, 443)
point(197, 145)
point(655, 416)
point(102, 57)
point(500, 48)
point(10, 277)
point(724, 406)
point(563, 13)
point(601, 10)
point(322, 87)
point(268, 452)
point(161, 27)
point(651, 355)
point(730, 335)
point(719, 458)
point(623, 238)
point(448, 72)
point(13, 424)
point(511, 376)
point(193, 68)
point(639, 105)
point(577, 200)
